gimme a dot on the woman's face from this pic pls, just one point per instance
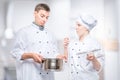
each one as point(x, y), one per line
point(80, 29)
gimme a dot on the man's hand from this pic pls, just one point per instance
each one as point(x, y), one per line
point(37, 57)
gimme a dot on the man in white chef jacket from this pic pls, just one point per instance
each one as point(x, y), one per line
point(32, 44)
point(85, 54)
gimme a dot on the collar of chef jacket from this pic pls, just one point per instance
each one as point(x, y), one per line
point(40, 27)
point(86, 38)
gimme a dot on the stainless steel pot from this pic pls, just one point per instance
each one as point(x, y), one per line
point(52, 64)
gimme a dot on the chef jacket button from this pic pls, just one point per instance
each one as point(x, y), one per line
point(75, 43)
point(46, 32)
point(78, 56)
point(40, 52)
point(77, 72)
point(65, 61)
point(79, 49)
point(72, 49)
point(71, 56)
point(47, 52)
point(71, 64)
point(71, 72)
point(77, 65)
point(47, 41)
point(39, 41)
point(40, 73)
point(47, 72)
point(37, 32)
point(83, 43)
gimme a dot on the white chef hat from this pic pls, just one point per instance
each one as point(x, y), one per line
point(87, 21)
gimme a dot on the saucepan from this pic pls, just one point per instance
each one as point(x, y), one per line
point(52, 64)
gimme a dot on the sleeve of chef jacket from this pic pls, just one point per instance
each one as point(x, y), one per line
point(100, 57)
point(19, 45)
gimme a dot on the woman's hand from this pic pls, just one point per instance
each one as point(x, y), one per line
point(66, 42)
point(95, 62)
point(90, 57)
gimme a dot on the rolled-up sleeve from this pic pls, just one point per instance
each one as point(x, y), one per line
point(19, 46)
point(100, 57)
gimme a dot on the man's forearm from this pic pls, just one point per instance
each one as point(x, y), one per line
point(26, 56)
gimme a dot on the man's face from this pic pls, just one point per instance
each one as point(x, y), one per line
point(41, 17)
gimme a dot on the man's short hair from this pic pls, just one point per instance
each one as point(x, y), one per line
point(42, 6)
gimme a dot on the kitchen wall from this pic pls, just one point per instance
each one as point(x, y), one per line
point(118, 20)
point(111, 24)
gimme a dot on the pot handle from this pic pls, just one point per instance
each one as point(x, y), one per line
point(43, 60)
point(42, 64)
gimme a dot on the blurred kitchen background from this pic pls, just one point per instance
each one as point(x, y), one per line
point(15, 14)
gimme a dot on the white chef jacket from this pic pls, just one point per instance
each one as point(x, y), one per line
point(80, 67)
point(32, 39)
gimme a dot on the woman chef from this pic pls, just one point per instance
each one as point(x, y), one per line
point(85, 55)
